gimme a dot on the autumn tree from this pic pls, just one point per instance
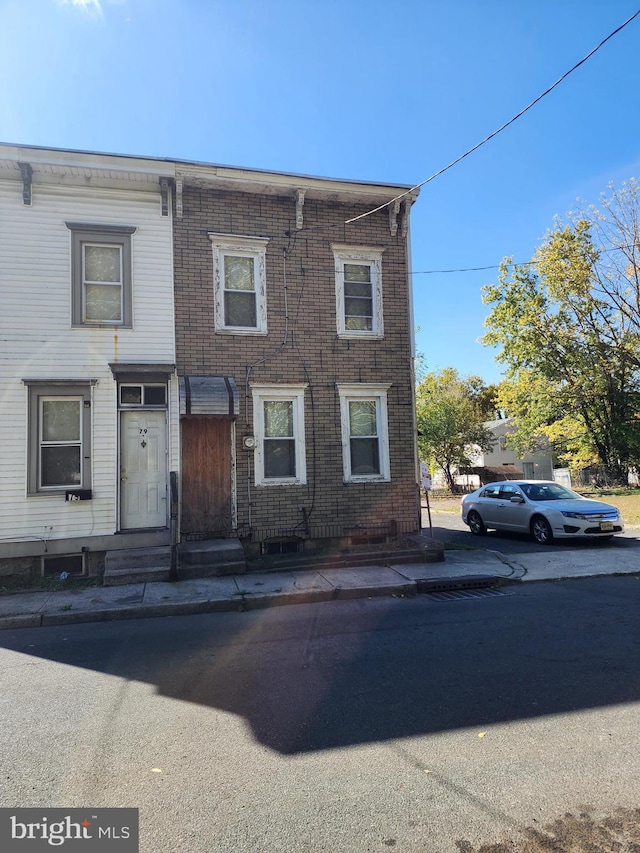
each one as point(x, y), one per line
point(450, 412)
point(568, 325)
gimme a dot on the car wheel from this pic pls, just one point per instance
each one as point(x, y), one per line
point(476, 524)
point(541, 530)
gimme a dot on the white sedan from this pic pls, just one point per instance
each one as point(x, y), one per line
point(542, 508)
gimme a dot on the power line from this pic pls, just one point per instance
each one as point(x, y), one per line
point(466, 269)
point(499, 130)
point(509, 263)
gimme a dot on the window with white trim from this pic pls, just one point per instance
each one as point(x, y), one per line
point(280, 455)
point(239, 276)
point(101, 275)
point(358, 271)
point(59, 436)
point(365, 432)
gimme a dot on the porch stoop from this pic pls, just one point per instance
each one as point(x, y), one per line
point(210, 557)
point(137, 565)
point(195, 560)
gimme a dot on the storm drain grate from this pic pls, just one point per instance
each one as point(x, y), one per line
point(464, 594)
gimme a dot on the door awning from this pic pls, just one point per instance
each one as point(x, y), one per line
point(209, 395)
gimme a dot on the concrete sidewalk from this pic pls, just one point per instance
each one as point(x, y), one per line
point(252, 591)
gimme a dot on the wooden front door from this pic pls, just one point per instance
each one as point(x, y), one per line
point(206, 476)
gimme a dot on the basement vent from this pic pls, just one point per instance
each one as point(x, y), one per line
point(281, 546)
point(72, 564)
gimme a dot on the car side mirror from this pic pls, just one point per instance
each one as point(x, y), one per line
point(516, 499)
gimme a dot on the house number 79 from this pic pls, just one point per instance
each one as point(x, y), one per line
point(143, 432)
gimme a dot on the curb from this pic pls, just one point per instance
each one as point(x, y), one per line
point(240, 603)
point(258, 601)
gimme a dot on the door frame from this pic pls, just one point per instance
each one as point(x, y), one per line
point(124, 408)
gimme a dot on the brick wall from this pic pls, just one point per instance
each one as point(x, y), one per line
point(313, 354)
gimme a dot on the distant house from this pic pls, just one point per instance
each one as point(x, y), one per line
point(502, 462)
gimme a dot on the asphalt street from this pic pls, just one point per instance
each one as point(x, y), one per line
point(344, 726)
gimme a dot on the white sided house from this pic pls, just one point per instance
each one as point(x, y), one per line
point(89, 431)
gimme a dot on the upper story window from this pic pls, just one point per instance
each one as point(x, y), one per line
point(358, 271)
point(278, 412)
point(101, 273)
point(239, 278)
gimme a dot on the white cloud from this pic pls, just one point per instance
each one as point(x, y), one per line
point(88, 5)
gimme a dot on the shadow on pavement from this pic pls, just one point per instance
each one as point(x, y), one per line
point(315, 677)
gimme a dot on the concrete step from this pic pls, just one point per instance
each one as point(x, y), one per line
point(210, 557)
point(382, 556)
point(137, 558)
point(136, 565)
point(148, 574)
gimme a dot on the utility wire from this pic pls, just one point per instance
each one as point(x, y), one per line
point(499, 130)
point(509, 263)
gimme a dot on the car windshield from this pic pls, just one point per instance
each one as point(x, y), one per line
point(548, 492)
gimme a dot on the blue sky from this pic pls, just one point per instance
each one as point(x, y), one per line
point(361, 89)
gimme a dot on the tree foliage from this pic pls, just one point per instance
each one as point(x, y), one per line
point(450, 410)
point(568, 325)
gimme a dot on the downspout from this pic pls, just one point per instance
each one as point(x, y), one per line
point(412, 340)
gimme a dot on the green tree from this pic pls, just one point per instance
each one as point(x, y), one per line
point(568, 326)
point(450, 410)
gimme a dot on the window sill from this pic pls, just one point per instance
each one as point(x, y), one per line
point(57, 493)
point(362, 335)
point(241, 331)
point(102, 325)
point(373, 478)
point(275, 482)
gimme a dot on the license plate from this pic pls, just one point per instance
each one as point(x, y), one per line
point(606, 525)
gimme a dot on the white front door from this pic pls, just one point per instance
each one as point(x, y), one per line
point(143, 469)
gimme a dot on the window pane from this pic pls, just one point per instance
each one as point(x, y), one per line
point(131, 394)
point(279, 457)
point(240, 309)
point(357, 307)
point(61, 420)
point(362, 418)
point(238, 273)
point(364, 456)
point(357, 272)
point(103, 302)
point(60, 466)
point(359, 324)
point(102, 263)
point(278, 418)
point(357, 289)
point(155, 395)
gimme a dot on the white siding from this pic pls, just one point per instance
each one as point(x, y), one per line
point(38, 342)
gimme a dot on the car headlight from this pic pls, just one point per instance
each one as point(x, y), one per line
point(584, 517)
